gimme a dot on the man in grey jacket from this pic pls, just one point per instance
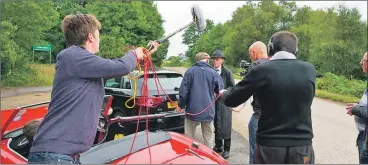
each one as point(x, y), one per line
point(360, 113)
point(70, 125)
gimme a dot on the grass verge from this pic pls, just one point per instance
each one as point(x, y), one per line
point(336, 97)
point(30, 76)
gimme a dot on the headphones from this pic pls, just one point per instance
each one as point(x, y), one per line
point(271, 48)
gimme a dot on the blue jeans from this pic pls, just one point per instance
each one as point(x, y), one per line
point(363, 156)
point(50, 158)
point(252, 127)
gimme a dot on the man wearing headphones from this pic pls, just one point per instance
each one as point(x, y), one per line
point(285, 88)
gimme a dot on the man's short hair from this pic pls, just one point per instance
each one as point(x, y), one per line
point(202, 55)
point(76, 28)
point(285, 41)
point(30, 129)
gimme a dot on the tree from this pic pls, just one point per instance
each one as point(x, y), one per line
point(210, 41)
point(124, 24)
point(10, 51)
point(191, 34)
point(55, 36)
point(35, 19)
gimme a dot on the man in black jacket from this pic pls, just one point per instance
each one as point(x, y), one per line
point(223, 114)
point(285, 88)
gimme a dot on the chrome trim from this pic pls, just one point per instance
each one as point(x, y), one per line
point(32, 105)
point(194, 153)
point(175, 114)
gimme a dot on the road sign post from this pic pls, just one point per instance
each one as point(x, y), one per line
point(42, 48)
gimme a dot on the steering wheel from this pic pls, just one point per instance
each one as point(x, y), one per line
point(102, 129)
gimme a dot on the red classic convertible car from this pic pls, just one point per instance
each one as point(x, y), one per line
point(165, 147)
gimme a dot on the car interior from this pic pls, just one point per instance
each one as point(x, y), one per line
point(21, 144)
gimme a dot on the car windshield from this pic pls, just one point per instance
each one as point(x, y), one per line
point(168, 81)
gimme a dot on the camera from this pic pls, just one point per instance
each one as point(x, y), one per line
point(244, 65)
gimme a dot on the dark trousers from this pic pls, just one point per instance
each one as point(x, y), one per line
point(252, 127)
point(284, 155)
point(219, 142)
point(226, 143)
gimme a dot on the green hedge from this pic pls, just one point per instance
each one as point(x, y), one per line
point(341, 85)
point(30, 75)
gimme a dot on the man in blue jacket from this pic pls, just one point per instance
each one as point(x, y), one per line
point(197, 91)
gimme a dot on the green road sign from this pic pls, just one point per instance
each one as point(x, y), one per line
point(45, 48)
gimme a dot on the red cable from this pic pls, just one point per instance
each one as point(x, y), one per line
point(144, 99)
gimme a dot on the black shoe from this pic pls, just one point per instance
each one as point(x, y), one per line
point(218, 150)
point(225, 154)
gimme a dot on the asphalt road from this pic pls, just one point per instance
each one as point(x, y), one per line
point(334, 139)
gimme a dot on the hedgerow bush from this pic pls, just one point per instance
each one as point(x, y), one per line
point(340, 85)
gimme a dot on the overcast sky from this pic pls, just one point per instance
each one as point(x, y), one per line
point(177, 14)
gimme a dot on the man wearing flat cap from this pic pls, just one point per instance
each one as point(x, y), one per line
point(223, 114)
point(197, 90)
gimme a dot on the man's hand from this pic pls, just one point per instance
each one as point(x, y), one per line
point(349, 107)
point(222, 91)
point(178, 109)
point(154, 45)
point(139, 53)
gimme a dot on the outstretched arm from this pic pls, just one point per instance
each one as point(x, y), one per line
point(242, 91)
point(88, 65)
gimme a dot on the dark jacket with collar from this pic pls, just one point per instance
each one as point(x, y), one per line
point(223, 120)
point(285, 87)
point(197, 91)
point(255, 103)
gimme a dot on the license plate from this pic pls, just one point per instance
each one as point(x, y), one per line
point(172, 104)
point(118, 136)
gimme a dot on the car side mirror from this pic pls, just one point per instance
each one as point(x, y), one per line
point(128, 85)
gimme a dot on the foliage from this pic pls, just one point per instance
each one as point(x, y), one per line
point(131, 23)
point(173, 61)
point(337, 97)
point(333, 39)
point(209, 42)
point(341, 85)
point(191, 34)
point(31, 75)
point(124, 24)
point(9, 53)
